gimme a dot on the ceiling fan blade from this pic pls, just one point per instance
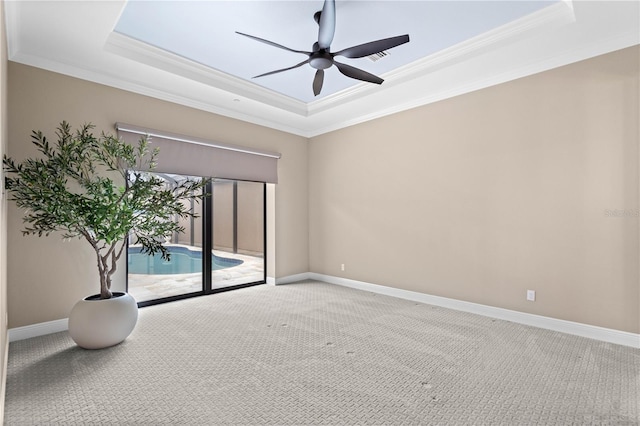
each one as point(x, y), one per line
point(284, 69)
point(366, 49)
point(270, 43)
point(357, 73)
point(327, 24)
point(317, 82)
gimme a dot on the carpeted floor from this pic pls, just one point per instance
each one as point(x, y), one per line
point(315, 353)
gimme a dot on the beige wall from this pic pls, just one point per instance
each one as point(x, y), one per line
point(477, 198)
point(47, 276)
point(3, 213)
point(483, 196)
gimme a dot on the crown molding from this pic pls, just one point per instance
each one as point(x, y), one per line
point(123, 82)
point(452, 89)
point(159, 58)
point(12, 26)
point(550, 17)
point(560, 34)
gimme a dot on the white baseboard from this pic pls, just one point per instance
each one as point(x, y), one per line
point(292, 278)
point(584, 330)
point(40, 329)
point(50, 327)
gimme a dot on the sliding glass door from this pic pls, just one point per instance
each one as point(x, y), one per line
point(151, 277)
point(230, 227)
point(238, 232)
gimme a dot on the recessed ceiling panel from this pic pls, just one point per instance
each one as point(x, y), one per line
point(205, 32)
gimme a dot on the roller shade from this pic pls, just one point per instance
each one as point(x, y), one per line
point(191, 156)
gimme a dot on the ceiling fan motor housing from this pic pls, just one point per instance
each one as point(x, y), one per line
point(321, 60)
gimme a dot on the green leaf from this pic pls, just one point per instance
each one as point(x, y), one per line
point(97, 188)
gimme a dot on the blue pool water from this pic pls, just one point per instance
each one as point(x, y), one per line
point(183, 261)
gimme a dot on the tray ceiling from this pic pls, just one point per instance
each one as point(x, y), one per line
point(204, 32)
point(187, 51)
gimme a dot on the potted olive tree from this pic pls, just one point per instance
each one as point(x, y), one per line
point(99, 189)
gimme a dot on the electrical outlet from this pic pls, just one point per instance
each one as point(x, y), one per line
point(342, 267)
point(531, 295)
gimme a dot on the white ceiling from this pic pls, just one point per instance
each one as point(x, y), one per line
point(187, 51)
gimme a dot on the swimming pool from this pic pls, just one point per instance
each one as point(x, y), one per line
point(183, 261)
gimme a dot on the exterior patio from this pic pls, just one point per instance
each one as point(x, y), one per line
point(145, 287)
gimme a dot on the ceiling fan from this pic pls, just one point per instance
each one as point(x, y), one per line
point(321, 57)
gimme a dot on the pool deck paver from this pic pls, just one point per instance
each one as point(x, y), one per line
point(149, 287)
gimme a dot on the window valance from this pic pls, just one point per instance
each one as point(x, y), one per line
point(188, 155)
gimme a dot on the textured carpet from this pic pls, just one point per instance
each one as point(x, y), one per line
point(314, 353)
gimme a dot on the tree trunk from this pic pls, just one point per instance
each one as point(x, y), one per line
point(105, 293)
point(105, 280)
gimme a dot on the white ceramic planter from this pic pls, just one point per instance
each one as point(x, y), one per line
point(96, 323)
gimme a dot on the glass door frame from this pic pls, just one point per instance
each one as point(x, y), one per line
point(207, 246)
